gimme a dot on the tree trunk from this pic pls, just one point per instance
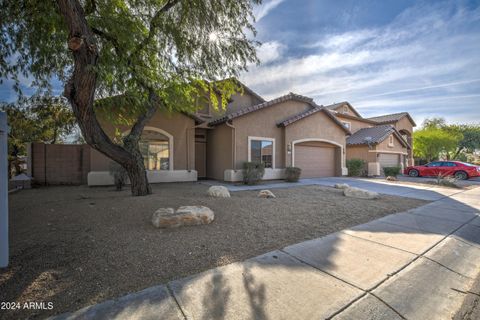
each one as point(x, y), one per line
point(80, 91)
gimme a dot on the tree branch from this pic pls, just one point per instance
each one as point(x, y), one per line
point(154, 25)
point(109, 38)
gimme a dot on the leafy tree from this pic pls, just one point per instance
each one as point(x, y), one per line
point(434, 123)
point(470, 141)
point(435, 138)
point(154, 54)
point(41, 119)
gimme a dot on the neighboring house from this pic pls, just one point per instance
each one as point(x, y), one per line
point(382, 141)
point(291, 130)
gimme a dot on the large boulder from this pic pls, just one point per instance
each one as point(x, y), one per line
point(266, 194)
point(184, 216)
point(341, 186)
point(391, 178)
point(218, 192)
point(360, 193)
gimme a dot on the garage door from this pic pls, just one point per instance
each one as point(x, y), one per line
point(315, 161)
point(388, 160)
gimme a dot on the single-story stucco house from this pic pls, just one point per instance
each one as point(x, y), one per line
point(291, 130)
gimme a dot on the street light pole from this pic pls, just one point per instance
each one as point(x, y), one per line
point(3, 191)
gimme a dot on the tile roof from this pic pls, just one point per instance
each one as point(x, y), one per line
point(393, 117)
point(374, 135)
point(334, 106)
point(308, 113)
point(243, 111)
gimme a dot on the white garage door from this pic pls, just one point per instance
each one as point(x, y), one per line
point(388, 160)
point(315, 161)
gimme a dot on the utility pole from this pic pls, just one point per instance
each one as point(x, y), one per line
point(3, 191)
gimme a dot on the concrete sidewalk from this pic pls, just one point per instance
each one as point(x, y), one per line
point(418, 264)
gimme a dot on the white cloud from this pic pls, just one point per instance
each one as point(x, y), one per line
point(264, 9)
point(270, 51)
point(429, 49)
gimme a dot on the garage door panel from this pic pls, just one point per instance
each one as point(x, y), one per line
point(388, 160)
point(315, 161)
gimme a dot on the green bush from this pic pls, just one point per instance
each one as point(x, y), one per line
point(253, 172)
point(292, 174)
point(119, 174)
point(391, 171)
point(356, 167)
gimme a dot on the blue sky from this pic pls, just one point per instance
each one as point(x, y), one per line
point(382, 56)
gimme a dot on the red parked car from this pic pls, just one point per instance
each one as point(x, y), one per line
point(459, 170)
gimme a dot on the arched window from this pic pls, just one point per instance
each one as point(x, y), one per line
point(155, 149)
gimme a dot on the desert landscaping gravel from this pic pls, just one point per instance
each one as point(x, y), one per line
point(75, 246)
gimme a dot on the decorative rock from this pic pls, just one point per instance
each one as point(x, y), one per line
point(353, 192)
point(341, 186)
point(390, 178)
point(160, 214)
point(218, 192)
point(184, 216)
point(266, 194)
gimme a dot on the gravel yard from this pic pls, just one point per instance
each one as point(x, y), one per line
point(76, 246)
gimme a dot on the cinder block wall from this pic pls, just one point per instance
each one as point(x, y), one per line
point(53, 164)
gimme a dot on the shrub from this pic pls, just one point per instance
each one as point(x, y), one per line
point(253, 172)
point(391, 171)
point(119, 175)
point(356, 167)
point(292, 174)
point(446, 181)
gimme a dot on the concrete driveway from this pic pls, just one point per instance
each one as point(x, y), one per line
point(424, 192)
point(465, 183)
point(419, 264)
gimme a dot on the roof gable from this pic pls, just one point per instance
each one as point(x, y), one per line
point(393, 117)
point(375, 135)
point(305, 114)
point(338, 107)
point(260, 106)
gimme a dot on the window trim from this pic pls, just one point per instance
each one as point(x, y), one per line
point(390, 141)
point(170, 144)
point(249, 148)
point(349, 124)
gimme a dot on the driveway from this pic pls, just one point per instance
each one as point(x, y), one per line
point(424, 192)
point(418, 264)
point(464, 183)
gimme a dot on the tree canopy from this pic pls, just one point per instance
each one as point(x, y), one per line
point(178, 49)
point(152, 53)
point(438, 139)
point(41, 119)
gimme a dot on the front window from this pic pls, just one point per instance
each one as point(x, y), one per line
point(155, 149)
point(262, 151)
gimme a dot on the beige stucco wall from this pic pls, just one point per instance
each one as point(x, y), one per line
point(397, 146)
point(355, 125)
point(350, 112)
point(178, 125)
point(219, 151)
point(360, 152)
point(317, 126)
point(237, 101)
point(263, 124)
point(404, 124)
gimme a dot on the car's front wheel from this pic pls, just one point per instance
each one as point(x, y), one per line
point(461, 175)
point(413, 173)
